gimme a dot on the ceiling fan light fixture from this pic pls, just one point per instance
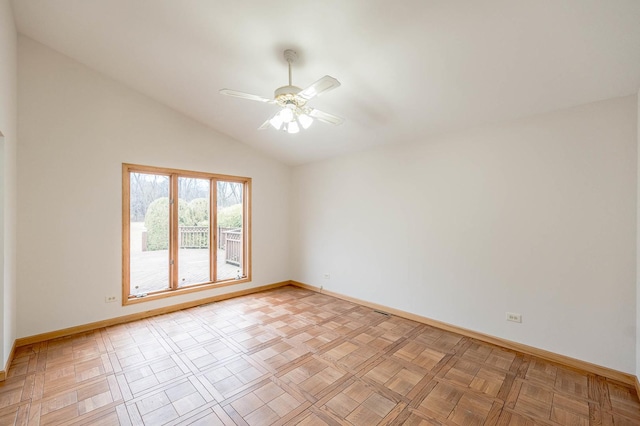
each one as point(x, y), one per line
point(276, 121)
point(293, 127)
point(305, 121)
point(286, 115)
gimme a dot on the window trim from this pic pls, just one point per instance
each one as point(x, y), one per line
point(173, 175)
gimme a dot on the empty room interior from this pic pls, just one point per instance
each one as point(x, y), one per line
point(362, 212)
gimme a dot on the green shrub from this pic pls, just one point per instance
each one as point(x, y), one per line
point(230, 217)
point(198, 212)
point(183, 213)
point(194, 213)
point(156, 220)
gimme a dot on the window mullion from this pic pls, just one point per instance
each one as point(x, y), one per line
point(173, 233)
point(126, 233)
point(213, 226)
point(246, 228)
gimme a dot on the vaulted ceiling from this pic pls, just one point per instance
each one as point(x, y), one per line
point(409, 69)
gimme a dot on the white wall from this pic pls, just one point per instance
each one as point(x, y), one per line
point(77, 127)
point(638, 250)
point(535, 216)
point(8, 137)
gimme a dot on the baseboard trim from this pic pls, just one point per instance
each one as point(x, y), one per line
point(24, 341)
point(610, 373)
point(3, 373)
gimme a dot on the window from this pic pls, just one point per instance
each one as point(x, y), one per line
point(183, 231)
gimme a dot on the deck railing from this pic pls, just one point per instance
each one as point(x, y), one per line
point(194, 237)
point(197, 237)
point(221, 238)
point(233, 247)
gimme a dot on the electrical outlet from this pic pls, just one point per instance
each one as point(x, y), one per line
point(109, 299)
point(514, 317)
point(327, 276)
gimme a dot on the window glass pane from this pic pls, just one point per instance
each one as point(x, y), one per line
point(149, 233)
point(230, 263)
point(164, 253)
point(193, 231)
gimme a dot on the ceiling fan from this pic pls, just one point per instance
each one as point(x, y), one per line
point(294, 111)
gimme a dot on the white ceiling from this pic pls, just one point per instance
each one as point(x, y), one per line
point(408, 68)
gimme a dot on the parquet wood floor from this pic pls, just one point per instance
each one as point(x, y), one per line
point(292, 356)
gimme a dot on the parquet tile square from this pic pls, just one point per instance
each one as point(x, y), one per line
point(319, 382)
point(462, 373)
point(447, 341)
point(314, 338)
point(395, 376)
point(152, 403)
point(371, 411)
point(342, 325)
point(441, 401)
point(543, 372)
point(160, 416)
point(279, 355)
point(358, 403)
point(287, 328)
point(501, 359)
point(471, 410)
point(210, 353)
point(477, 352)
point(396, 327)
point(358, 358)
point(419, 354)
point(315, 315)
point(209, 418)
point(403, 382)
point(342, 405)
point(624, 400)
point(295, 357)
point(488, 381)
point(515, 419)
point(261, 416)
point(341, 351)
point(266, 403)
point(563, 416)
point(284, 404)
point(309, 419)
point(384, 371)
point(313, 376)
point(416, 419)
point(571, 382)
point(535, 401)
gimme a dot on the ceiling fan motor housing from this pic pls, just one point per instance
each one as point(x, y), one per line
point(286, 95)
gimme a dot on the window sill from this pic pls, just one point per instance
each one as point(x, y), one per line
point(132, 300)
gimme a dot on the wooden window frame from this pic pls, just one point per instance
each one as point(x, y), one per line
point(174, 174)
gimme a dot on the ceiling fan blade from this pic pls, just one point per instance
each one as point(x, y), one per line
point(243, 95)
point(325, 84)
point(326, 117)
point(265, 125)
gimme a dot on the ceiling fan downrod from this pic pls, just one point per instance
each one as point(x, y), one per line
point(290, 56)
